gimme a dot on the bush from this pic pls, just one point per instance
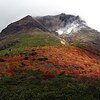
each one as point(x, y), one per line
point(22, 64)
point(42, 59)
point(76, 43)
point(33, 53)
point(26, 58)
point(2, 60)
point(29, 87)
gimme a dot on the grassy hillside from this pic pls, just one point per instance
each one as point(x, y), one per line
point(20, 42)
point(36, 66)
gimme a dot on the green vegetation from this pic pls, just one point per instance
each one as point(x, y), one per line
point(76, 43)
point(36, 85)
point(19, 42)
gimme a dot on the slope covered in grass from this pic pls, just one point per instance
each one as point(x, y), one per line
point(22, 41)
point(37, 67)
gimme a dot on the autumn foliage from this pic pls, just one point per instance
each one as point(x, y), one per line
point(53, 59)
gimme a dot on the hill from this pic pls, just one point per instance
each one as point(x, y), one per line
point(21, 41)
point(38, 63)
point(50, 72)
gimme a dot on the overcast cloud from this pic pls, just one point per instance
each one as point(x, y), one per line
point(13, 10)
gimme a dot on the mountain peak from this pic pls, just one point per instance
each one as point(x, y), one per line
point(28, 17)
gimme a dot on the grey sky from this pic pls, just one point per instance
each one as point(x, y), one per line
point(12, 10)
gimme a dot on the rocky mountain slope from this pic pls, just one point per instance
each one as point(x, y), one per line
point(45, 23)
point(70, 27)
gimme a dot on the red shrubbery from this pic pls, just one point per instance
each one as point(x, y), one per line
point(71, 60)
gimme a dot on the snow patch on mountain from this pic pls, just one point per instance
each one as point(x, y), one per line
point(60, 31)
point(73, 26)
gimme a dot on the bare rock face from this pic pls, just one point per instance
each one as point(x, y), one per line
point(72, 29)
point(25, 24)
point(53, 23)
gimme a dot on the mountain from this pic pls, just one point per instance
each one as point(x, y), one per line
point(69, 27)
point(45, 23)
point(49, 58)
